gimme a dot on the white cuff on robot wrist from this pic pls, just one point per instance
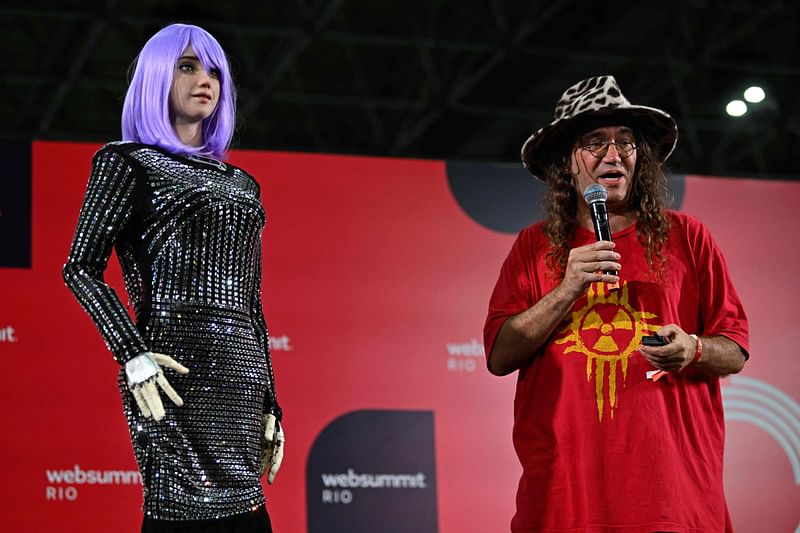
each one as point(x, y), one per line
point(140, 369)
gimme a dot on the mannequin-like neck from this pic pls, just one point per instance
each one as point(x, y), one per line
point(189, 133)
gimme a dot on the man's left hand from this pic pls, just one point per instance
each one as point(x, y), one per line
point(674, 356)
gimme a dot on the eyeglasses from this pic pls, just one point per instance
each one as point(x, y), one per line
point(600, 148)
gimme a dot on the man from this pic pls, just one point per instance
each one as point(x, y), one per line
point(613, 435)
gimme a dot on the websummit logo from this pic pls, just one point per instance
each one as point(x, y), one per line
point(368, 468)
point(607, 330)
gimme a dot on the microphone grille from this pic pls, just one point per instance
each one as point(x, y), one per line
point(595, 193)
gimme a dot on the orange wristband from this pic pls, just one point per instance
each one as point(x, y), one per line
point(698, 350)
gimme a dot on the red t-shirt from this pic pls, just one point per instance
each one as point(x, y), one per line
point(603, 448)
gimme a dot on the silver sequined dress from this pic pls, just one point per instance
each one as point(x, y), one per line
point(187, 232)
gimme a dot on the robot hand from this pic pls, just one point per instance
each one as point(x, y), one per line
point(144, 373)
point(272, 447)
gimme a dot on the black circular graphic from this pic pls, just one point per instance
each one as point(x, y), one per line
point(506, 198)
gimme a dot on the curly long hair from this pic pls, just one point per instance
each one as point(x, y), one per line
point(649, 192)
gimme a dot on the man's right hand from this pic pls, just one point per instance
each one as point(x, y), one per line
point(523, 334)
point(586, 265)
point(145, 376)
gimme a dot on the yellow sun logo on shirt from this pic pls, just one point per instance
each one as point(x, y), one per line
point(607, 330)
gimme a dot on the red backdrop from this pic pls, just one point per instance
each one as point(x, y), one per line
point(375, 287)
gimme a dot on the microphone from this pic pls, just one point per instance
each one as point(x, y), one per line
point(595, 196)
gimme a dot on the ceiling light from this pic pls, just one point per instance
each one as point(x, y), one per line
point(736, 108)
point(754, 94)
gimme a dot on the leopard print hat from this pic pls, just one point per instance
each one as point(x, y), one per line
point(590, 100)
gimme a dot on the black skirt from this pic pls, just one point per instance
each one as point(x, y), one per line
point(256, 521)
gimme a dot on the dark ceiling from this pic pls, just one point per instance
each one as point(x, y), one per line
point(435, 79)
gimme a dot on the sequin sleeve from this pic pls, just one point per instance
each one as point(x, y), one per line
point(106, 209)
point(260, 325)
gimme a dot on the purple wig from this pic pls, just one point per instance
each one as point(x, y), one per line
point(146, 113)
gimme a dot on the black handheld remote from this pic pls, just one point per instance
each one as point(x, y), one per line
point(654, 340)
